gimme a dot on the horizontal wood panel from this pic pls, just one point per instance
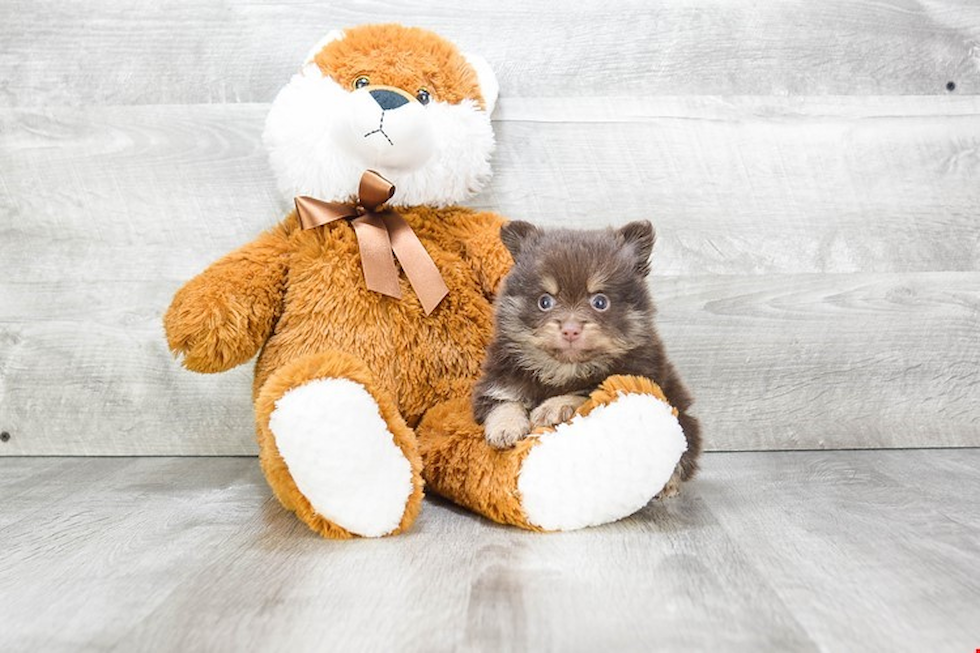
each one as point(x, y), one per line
point(828, 361)
point(843, 231)
point(734, 186)
point(183, 51)
point(774, 361)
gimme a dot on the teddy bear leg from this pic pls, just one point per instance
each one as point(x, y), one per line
point(605, 464)
point(335, 449)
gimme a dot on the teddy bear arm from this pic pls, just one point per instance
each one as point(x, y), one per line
point(220, 318)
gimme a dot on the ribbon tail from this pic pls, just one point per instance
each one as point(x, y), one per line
point(377, 261)
point(415, 260)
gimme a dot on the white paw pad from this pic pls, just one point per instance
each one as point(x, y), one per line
point(342, 456)
point(602, 467)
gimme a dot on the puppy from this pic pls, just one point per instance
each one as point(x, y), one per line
point(574, 310)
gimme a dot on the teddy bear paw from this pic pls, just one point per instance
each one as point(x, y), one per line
point(342, 456)
point(602, 467)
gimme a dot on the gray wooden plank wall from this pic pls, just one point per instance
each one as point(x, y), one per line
point(815, 186)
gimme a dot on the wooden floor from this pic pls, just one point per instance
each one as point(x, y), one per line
point(835, 551)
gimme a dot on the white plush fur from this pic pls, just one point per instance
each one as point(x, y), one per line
point(342, 456)
point(601, 468)
point(489, 88)
point(438, 154)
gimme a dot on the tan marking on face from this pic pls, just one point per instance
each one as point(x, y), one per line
point(593, 343)
point(550, 285)
point(548, 333)
point(596, 339)
point(596, 282)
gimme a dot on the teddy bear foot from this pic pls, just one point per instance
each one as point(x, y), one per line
point(343, 465)
point(605, 464)
point(602, 467)
point(342, 455)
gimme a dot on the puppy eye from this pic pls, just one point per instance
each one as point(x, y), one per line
point(423, 96)
point(546, 302)
point(361, 82)
point(599, 302)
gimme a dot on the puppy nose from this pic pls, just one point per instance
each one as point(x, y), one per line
point(388, 99)
point(571, 330)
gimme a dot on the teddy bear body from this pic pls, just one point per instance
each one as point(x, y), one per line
point(299, 298)
point(419, 360)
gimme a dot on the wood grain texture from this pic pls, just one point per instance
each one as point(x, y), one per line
point(767, 551)
point(774, 362)
point(756, 185)
point(828, 361)
point(798, 240)
point(743, 185)
point(874, 533)
point(182, 51)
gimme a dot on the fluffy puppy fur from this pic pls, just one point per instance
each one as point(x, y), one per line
point(574, 310)
point(433, 141)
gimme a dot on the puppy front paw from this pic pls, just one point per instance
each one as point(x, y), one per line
point(506, 425)
point(556, 410)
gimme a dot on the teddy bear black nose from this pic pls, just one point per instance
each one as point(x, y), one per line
point(388, 99)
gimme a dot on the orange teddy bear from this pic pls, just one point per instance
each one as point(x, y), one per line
point(364, 370)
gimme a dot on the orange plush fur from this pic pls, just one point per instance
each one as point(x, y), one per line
point(408, 58)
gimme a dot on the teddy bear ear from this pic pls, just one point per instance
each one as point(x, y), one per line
point(333, 35)
point(489, 88)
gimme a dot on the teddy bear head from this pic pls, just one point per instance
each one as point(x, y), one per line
point(399, 100)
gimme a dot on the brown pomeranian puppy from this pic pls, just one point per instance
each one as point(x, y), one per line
point(574, 310)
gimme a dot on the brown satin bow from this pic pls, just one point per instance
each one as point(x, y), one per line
point(379, 233)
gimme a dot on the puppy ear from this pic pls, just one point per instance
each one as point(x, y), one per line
point(489, 88)
point(515, 235)
point(639, 236)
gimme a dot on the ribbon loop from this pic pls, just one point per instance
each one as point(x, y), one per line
point(378, 235)
point(373, 191)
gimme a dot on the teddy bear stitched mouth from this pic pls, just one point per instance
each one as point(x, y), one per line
point(380, 129)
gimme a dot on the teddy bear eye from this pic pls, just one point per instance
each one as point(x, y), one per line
point(361, 82)
point(599, 302)
point(423, 96)
point(546, 302)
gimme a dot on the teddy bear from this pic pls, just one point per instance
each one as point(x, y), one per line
point(370, 308)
